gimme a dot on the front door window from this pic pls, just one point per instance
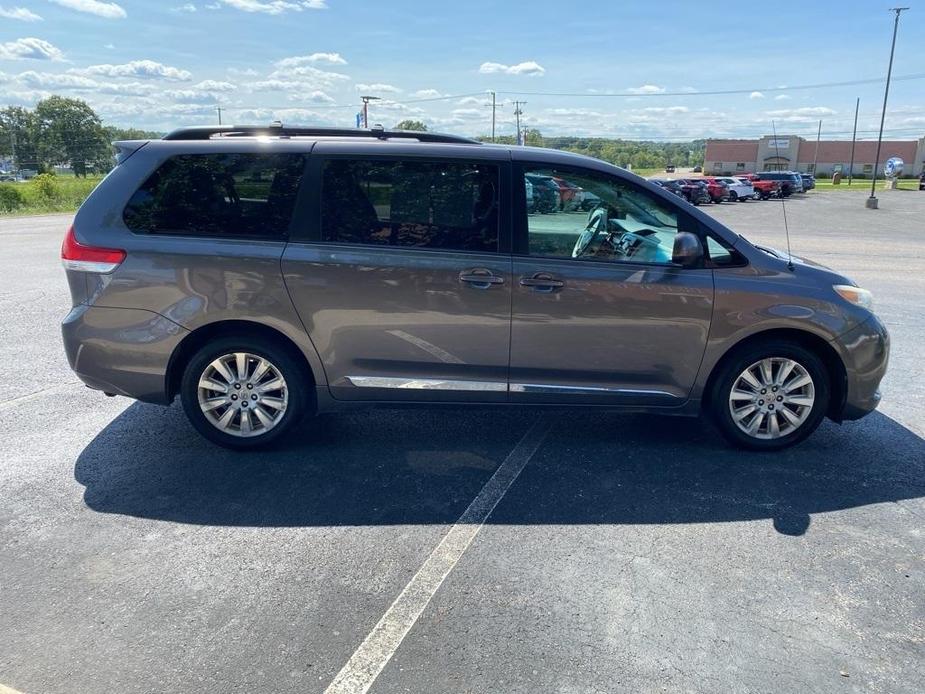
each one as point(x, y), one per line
point(590, 216)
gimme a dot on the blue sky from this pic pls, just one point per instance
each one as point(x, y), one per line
point(625, 69)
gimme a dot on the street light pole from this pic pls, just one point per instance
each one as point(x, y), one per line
point(872, 200)
point(518, 112)
point(492, 116)
point(366, 100)
point(854, 139)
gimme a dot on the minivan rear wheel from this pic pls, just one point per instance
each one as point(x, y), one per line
point(770, 396)
point(242, 393)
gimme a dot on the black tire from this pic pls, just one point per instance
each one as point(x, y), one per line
point(733, 196)
point(298, 382)
point(736, 365)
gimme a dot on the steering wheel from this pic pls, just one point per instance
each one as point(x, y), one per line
point(597, 223)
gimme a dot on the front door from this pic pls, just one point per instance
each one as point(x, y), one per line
point(600, 314)
point(405, 289)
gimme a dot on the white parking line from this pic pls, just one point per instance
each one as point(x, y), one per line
point(8, 690)
point(364, 666)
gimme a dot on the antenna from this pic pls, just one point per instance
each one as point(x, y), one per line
point(783, 204)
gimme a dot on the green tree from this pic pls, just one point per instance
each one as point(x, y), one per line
point(409, 124)
point(17, 134)
point(69, 131)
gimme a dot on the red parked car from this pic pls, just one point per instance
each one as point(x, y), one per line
point(719, 191)
point(763, 189)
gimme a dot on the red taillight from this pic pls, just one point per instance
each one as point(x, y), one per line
point(77, 256)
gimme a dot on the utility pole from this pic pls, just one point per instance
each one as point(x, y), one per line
point(366, 100)
point(854, 138)
point(492, 116)
point(518, 112)
point(13, 149)
point(219, 109)
point(816, 154)
point(871, 202)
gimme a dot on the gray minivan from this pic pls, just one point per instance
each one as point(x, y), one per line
point(267, 273)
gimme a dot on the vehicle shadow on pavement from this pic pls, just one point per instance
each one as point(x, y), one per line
point(386, 467)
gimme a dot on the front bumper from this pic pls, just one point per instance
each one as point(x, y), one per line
point(866, 353)
point(121, 350)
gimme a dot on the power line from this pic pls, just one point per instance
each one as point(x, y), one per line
point(718, 92)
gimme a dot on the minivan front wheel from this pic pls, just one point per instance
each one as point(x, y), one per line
point(771, 396)
point(241, 393)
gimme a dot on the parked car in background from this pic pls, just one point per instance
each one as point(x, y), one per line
point(546, 197)
point(669, 168)
point(726, 183)
point(669, 185)
point(809, 181)
point(263, 274)
point(790, 181)
point(694, 190)
point(922, 181)
point(719, 192)
point(569, 195)
point(763, 189)
point(697, 169)
point(739, 188)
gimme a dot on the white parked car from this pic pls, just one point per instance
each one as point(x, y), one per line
point(739, 188)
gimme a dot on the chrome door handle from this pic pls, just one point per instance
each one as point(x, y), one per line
point(542, 282)
point(480, 278)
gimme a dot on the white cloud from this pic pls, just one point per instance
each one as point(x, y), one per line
point(275, 6)
point(315, 97)
point(473, 101)
point(188, 7)
point(395, 106)
point(191, 96)
point(805, 111)
point(756, 95)
point(426, 94)
point(147, 69)
point(529, 67)
point(245, 72)
point(782, 97)
point(469, 113)
point(377, 87)
point(215, 86)
point(646, 89)
point(30, 48)
point(668, 110)
point(107, 10)
point(308, 75)
point(297, 60)
point(20, 13)
point(51, 80)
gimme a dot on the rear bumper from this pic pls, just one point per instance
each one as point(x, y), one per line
point(121, 350)
point(866, 349)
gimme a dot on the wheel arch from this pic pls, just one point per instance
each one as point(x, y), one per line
point(835, 367)
point(193, 342)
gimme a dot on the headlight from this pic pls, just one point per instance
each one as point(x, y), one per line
point(855, 295)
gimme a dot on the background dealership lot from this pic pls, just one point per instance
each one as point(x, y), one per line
point(632, 553)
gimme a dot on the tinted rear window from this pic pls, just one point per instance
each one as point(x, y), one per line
point(233, 195)
point(448, 206)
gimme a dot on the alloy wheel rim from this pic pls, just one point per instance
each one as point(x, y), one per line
point(243, 394)
point(772, 398)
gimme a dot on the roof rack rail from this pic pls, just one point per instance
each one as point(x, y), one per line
point(277, 129)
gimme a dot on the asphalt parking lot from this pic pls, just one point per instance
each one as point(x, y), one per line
point(630, 553)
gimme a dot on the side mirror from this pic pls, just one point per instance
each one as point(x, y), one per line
point(687, 251)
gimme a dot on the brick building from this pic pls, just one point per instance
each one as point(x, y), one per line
point(792, 153)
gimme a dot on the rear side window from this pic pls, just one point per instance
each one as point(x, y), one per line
point(440, 205)
point(230, 195)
